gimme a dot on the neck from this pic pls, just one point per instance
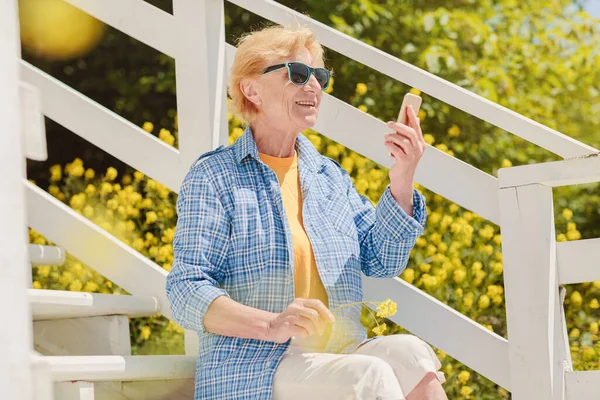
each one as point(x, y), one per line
point(273, 140)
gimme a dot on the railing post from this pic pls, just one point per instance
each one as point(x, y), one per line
point(15, 334)
point(536, 343)
point(201, 77)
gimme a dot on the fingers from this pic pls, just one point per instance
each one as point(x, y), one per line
point(404, 131)
point(303, 326)
point(395, 151)
point(320, 308)
point(414, 121)
point(399, 140)
point(313, 316)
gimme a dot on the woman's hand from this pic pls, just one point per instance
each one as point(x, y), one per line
point(406, 145)
point(301, 318)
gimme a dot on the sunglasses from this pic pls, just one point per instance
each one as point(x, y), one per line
point(299, 73)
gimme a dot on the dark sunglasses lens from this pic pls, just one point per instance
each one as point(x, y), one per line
point(322, 76)
point(298, 73)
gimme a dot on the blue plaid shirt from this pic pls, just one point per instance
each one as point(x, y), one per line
point(233, 239)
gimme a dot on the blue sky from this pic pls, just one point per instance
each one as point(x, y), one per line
point(593, 7)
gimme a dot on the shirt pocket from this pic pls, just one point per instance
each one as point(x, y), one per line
point(338, 213)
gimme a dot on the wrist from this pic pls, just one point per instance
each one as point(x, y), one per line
point(264, 326)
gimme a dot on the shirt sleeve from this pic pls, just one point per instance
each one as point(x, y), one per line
point(200, 249)
point(386, 233)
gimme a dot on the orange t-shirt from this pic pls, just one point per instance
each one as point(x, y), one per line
point(307, 281)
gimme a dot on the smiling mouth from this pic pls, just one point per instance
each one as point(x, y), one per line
point(307, 104)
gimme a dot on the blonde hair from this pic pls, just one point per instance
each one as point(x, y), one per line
point(258, 50)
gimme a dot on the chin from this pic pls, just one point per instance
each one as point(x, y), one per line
point(307, 122)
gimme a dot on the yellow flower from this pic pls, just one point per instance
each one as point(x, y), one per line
point(88, 211)
point(363, 108)
point(89, 174)
point(409, 275)
point(442, 147)
point(330, 87)
point(459, 275)
point(90, 190)
point(151, 217)
point(484, 302)
point(454, 131)
point(571, 226)
point(165, 136)
point(138, 176)
point(561, 238)
point(77, 202)
point(573, 235)
point(386, 309)
point(588, 354)
point(111, 174)
point(146, 332)
point(567, 214)
point(429, 139)
point(421, 242)
point(497, 267)
point(361, 89)
point(421, 115)
point(75, 286)
point(126, 180)
point(594, 304)
point(138, 244)
point(168, 235)
point(594, 328)
point(37, 285)
point(148, 126)
point(425, 267)
point(466, 390)
point(468, 300)
point(90, 286)
point(506, 163)
point(463, 377)
point(378, 330)
point(76, 170)
point(55, 173)
point(415, 91)
point(576, 298)
point(574, 333)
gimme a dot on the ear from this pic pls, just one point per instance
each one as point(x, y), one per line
point(249, 89)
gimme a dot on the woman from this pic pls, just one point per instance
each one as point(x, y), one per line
point(272, 236)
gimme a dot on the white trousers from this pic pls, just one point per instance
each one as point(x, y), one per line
point(386, 368)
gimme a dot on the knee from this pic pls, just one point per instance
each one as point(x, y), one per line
point(409, 348)
point(362, 366)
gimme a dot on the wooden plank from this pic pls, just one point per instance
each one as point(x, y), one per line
point(432, 320)
point(93, 336)
point(74, 391)
point(537, 350)
point(95, 247)
point(201, 87)
point(433, 85)
point(574, 171)
point(15, 273)
point(121, 368)
point(582, 385)
point(578, 261)
point(107, 130)
point(174, 389)
point(57, 304)
point(138, 19)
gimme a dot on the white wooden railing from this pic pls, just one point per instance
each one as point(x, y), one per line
point(520, 202)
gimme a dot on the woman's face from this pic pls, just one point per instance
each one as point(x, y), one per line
point(280, 98)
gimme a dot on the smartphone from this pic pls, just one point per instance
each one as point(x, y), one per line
point(409, 100)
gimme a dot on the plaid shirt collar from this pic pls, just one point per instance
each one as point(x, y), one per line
point(307, 154)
